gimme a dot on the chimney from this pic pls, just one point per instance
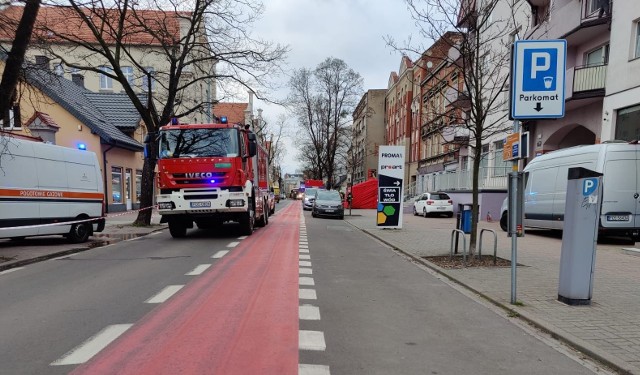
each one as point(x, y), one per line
point(42, 62)
point(78, 79)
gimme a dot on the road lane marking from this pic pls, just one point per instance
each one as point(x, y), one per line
point(305, 271)
point(198, 270)
point(309, 312)
point(306, 281)
point(304, 250)
point(242, 237)
point(220, 254)
point(303, 246)
point(305, 257)
point(304, 263)
point(92, 346)
point(313, 370)
point(311, 340)
point(11, 270)
point(233, 244)
point(307, 294)
point(164, 294)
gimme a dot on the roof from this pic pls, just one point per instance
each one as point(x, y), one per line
point(106, 114)
point(233, 111)
point(45, 118)
point(65, 21)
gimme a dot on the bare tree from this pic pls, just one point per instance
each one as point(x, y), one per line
point(482, 55)
point(200, 44)
point(322, 101)
point(15, 57)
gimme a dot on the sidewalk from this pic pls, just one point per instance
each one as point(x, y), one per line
point(34, 249)
point(608, 329)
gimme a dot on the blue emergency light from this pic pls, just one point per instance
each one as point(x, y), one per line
point(82, 146)
point(223, 119)
point(174, 121)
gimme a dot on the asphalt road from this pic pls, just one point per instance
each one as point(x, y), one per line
point(217, 303)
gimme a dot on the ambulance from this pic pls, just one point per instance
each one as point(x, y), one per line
point(47, 190)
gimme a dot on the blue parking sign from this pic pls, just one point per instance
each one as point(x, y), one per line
point(540, 69)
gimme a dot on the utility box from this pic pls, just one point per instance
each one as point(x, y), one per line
point(580, 236)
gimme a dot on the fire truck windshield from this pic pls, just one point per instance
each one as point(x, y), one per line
point(196, 143)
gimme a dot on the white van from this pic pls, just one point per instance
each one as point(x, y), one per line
point(43, 185)
point(546, 186)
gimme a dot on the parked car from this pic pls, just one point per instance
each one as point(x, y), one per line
point(328, 203)
point(433, 203)
point(308, 198)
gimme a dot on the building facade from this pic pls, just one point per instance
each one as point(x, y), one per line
point(368, 132)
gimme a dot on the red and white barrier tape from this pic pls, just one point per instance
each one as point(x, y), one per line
point(77, 221)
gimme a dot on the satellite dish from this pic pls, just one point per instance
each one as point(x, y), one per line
point(429, 64)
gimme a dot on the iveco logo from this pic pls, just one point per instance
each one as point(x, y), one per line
point(199, 174)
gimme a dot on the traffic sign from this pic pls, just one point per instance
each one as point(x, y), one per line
point(390, 186)
point(538, 79)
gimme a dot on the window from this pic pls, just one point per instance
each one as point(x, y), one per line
point(597, 57)
point(148, 72)
point(11, 119)
point(628, 123)
point(106, 83)
point(636, 52)
point(500, 166)
point(127, 71)
point(138, 185)
point(116, 184)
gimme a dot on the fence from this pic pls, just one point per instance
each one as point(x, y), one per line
point(488, 178)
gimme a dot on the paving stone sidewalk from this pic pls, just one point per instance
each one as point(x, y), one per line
point(607, 330)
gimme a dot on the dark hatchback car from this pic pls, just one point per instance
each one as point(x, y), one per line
point(328, 203)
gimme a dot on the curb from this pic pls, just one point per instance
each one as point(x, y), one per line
point(604, 358)
point(24, 262)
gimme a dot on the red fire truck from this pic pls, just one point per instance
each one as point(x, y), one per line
point(209, 174)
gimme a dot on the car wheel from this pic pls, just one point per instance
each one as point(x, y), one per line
point(341, 217)
point(503, 221)
point(177, 228)
point(415, 212)
point(313, 214)
point(449, 214)
point(424, 212)
point(79, 233)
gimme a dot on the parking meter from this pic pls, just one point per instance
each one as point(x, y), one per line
point(580, 236)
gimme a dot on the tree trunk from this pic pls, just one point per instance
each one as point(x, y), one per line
point(477, 154)
point(147, 192)
point(15, 59)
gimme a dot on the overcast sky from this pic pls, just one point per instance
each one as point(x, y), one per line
point(351, 30)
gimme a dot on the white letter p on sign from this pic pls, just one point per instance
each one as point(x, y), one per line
point(536, 67)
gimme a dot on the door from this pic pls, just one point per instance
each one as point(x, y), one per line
point(128, 189)
point(620, 195)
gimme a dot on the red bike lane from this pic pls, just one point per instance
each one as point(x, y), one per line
point(239, 317)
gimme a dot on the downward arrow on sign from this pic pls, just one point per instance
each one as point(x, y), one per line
point(538, 107)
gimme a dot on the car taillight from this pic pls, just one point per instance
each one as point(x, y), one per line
point(450, 201)
point(429, 202)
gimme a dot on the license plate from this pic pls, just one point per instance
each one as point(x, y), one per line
point(328, 210)
point(199, 204)
point(440, 208)
point(617, 217)
point(164, 205)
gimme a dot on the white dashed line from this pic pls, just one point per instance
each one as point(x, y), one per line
point(91, 347)
point(303, 246)
point(305, 271)
point(164, 294)
point(304, 263)
point(306, 281)
point(220, 254)
point(11, 270)
point(313, 370)
point(307, 294)
point(304, 251)
point(305, 256)
point(233, 244)
point(308, 312)
point(311, 340)
point(198, 270)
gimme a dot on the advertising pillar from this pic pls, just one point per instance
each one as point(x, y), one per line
point(390, 186)
point(580, 236)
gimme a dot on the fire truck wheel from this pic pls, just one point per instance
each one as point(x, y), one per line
point(246, 223)
point(177, 229)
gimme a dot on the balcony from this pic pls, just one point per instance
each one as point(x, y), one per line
point(575, 21)
point(586, 81)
